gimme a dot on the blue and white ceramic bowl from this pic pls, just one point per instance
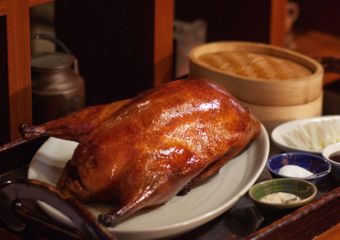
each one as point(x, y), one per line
point(311, 162)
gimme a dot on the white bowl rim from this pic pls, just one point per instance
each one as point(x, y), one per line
point(332, 148)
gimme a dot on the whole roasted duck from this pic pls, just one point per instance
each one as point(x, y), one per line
point(147, 150)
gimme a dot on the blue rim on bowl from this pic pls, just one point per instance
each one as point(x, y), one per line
point(312, 162)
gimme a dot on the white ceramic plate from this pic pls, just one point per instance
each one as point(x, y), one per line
point(181, 213)
point(321, 131)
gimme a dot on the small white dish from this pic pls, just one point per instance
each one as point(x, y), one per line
point(56, 147)
point(327, 154)
point(179, 215)
point(307, 135)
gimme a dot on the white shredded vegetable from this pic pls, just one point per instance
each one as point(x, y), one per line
point(314, 135)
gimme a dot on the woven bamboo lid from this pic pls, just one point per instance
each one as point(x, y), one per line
point(259, 73)
point(255, 65)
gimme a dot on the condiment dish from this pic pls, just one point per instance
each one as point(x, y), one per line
point(304, 190)
point(315, 164)
point(329, 154)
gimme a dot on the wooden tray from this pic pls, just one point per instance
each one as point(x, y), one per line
point(243, 219)
point(307, 222)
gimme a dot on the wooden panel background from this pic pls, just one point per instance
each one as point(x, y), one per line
point(240, 20)
point(127, 47)
point(4, 97)
point(123, 47)
point(18, 45)
point(163, 38)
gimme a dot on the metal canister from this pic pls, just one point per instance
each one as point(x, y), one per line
point(57, 87)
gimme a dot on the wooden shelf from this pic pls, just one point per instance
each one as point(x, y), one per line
point(319, 44)
point(32, 3)
point(16, 92)
point(16, 101)
point(277, 22)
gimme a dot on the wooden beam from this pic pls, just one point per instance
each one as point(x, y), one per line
point(32, 3)
point(163, 41)
point(3, 7)
point(277, 22)
point(4, 119)
point(38, 2)
point(19, 75)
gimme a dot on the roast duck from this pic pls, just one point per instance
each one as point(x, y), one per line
point(159, 144)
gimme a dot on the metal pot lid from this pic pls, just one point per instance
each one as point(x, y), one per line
point(51, 62)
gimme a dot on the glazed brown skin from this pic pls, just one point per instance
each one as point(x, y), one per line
point(147, 150)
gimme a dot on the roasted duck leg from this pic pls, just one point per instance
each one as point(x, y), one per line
point(147, 150)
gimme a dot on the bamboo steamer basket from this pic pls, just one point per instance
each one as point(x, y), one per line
point(272, 116)
point(273, 92)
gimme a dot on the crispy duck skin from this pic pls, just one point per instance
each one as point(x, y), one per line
point(146, 150)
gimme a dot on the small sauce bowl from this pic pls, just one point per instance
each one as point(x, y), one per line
point(327, 153)
point(305, 190)
point(311, 162)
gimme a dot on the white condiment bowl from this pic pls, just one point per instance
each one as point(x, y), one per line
point(326, 153)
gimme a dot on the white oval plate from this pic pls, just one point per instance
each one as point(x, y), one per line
point(322, 132)
point(181, 213)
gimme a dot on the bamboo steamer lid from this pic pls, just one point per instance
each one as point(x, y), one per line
point(272, 116)
point(259, 73)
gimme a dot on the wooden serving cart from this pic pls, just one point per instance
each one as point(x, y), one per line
point(21, 218)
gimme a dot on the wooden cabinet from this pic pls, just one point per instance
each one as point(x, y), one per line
point(317, 31)
point(148, 47)
point(308, 27)
point(16, 104)
point(125, 47)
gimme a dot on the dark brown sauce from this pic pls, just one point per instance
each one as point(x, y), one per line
point(335, 157)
